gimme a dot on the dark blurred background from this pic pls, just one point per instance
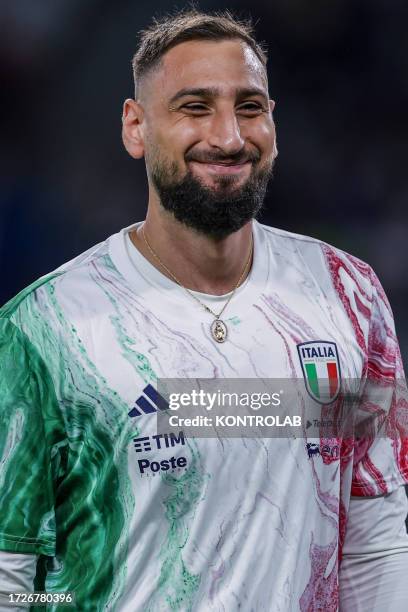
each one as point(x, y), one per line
point(338, 72)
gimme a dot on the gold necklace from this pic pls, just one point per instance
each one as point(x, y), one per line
point(218, 327)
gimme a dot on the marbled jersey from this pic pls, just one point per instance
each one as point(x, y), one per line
point(237, 524)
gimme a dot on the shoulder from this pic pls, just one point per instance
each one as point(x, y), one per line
point(320, 256)
point(301, 242)
point(71, 279)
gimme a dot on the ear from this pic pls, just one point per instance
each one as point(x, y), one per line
point(275, 148)
point(132, 128)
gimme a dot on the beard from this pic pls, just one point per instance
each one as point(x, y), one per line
point(215, 212)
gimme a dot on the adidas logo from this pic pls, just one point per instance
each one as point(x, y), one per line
point(150, 402)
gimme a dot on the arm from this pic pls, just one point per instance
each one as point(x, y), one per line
point(30, 431)
point(374, 570)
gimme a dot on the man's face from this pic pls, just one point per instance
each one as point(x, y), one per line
point(209, 136)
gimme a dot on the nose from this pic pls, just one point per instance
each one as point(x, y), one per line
point(225, 133)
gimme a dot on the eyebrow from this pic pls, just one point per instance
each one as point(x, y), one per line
point(214, 92)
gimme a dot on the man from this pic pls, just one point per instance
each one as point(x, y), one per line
point(93, 501)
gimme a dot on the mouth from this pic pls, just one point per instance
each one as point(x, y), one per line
point(222, 168)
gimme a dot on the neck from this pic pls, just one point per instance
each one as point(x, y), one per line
point(198, 262)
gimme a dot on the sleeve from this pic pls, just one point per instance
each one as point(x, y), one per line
point(374, 567)
point(17, 572)
point(381, 448)
point(30, 433)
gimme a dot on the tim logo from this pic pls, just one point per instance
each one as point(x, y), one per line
point(149, 403)
point(328, 453)
point(157, 442)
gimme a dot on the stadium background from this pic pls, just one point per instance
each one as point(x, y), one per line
point(338, 71)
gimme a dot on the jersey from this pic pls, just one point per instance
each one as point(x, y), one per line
point(131, 521)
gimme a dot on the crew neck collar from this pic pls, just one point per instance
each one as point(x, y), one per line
point(142, 275)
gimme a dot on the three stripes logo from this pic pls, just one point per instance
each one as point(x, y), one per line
point(149, 403)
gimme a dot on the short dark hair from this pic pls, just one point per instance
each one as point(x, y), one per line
point(190, 24)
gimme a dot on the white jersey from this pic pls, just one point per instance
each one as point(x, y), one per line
point(131, 521)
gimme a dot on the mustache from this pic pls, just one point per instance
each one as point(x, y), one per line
point(207, 157)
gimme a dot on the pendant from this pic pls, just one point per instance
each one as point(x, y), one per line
point(219, 330)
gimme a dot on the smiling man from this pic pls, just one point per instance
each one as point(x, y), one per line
point(209, 144)
point(98, 503)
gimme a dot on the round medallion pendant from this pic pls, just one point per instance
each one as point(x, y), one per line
point(219, 330)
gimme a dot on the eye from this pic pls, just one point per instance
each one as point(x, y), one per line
point(195, 107)
point(251, 107)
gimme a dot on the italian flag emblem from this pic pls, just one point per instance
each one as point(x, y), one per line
point(321, 369)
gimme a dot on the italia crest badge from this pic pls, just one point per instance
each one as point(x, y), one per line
point(321, 369)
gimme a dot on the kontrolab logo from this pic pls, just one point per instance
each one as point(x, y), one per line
point(159, 442)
